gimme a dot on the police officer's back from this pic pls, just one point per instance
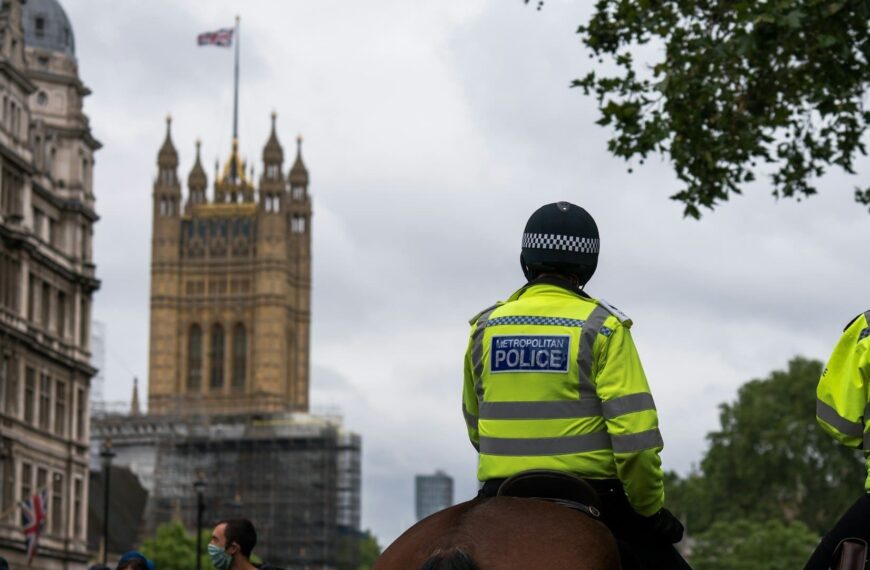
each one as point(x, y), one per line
point(553, 381)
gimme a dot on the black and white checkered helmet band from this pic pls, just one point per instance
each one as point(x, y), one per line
point(561, 243)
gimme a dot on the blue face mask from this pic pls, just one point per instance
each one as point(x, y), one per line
point(219, 557)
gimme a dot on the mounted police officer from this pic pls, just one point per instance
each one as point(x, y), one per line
point(843, 398)
point(553, 381)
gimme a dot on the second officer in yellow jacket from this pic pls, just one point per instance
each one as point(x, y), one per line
point(843, 410)
point(553, 381)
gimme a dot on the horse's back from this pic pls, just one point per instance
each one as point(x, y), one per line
point(501, 533)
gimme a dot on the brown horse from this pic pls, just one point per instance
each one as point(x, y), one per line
point(500, 533)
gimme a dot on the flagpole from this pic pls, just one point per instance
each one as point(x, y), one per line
point(236, 102)
point(237, 40)
point(17, 504)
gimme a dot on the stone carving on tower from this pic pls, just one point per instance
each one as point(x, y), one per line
point(230, 287)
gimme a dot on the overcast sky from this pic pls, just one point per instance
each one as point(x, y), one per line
point(432, 130)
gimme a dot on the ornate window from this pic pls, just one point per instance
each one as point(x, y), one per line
point(194, 358)
point(240, 353)
point(217, 356)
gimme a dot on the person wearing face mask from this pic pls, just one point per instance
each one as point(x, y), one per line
point(231, 544)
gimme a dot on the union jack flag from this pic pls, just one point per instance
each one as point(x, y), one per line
point(222, 38)
point(33, 512)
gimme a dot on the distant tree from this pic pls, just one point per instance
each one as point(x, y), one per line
point(173, 548)
point(771, 460)
point(743, 544)
point(688, 499)
point(733, 89)
point(369, 550)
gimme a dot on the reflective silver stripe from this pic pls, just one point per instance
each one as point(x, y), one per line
point(639, 402)
point(586, 408)
point(585, 355)
point(597, 441)
point(838, 422)
point(477, 353)
point(470, 419)
point(637, 441)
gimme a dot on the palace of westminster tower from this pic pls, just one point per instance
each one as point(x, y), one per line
point(230, 286)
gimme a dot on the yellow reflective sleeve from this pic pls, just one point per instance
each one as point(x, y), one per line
point(469, 400)
point(842, 392)
point(631, 420)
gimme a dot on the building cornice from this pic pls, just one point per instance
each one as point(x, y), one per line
point(75, 132)
point(26, 84)
point(30, 244)
point(63, 203)
point(41, 347)
point(13, 156)
point(71, 80)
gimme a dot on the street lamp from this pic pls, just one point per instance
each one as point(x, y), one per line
point(199, 486)
point(106, 454)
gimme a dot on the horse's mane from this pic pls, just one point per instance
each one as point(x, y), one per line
point(453, 559)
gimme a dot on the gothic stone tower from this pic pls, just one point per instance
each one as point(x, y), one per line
point(230, 287)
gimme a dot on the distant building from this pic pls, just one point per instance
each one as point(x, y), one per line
point(228, 393)
point(230, 286)
point(295, 475)
point(98, 361)
point(47, 280)
point(433, 493)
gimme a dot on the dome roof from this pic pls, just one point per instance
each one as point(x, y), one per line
point(46, 26)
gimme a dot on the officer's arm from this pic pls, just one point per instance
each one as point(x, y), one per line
point(842, 390)
point(630, 415)
point(469, 401)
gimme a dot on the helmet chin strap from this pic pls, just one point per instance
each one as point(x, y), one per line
point(526, 271)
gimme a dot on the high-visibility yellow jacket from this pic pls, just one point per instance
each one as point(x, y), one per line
point(843, 394)
point(553, 381)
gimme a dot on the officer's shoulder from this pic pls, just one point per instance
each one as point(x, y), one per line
point(858, 316)
point(473, 320)
point(623, 319)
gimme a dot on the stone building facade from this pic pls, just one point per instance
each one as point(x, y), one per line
point(47, 279)
point(230, 287)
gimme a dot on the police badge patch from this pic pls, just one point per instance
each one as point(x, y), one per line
point(529, 353)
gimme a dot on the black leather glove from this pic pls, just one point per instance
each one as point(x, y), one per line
point(665, 525)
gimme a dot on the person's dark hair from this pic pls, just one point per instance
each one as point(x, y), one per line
point(133, 564)
point(240, 531)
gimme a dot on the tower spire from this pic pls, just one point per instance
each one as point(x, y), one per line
point(167, 157)
point(298, 173)
point(134, 401)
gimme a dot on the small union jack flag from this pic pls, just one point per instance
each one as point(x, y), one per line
point(33, 513)
point(222, 38)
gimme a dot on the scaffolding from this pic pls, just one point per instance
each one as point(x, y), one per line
point(295, 476)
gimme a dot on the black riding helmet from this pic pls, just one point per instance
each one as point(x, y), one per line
point(560, 238)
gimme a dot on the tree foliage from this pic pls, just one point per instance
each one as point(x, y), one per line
point(735, 88)
point(173, 548)
point(769, 459)
point(753, 545)
point(369, 550)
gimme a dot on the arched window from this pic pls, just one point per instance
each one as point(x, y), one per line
point(194, 359)
point(240, 356)
point(217, 356)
